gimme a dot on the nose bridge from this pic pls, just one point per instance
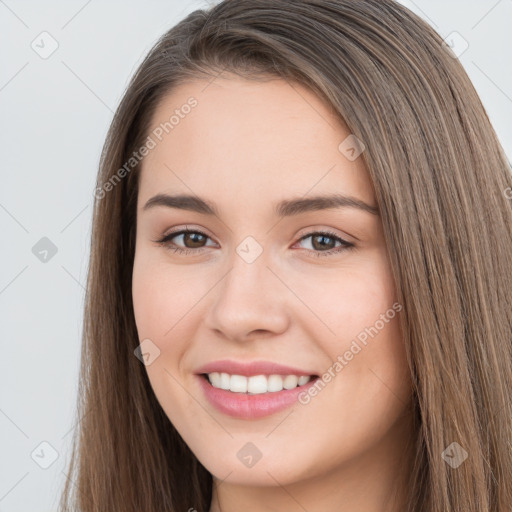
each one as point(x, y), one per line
point(249, 270)
point(248, 277)
point(249, 297)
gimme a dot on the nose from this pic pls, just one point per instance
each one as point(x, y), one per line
point(249, 301)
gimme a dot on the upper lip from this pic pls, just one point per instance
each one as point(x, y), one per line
point(251, 368)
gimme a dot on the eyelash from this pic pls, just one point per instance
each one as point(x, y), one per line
point(164, 241)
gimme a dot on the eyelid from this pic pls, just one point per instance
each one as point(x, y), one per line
point(310, 230)
point(187, 227)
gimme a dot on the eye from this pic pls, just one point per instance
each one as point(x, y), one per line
point(320, 240)
point(194, 237)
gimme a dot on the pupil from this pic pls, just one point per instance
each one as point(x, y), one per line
point(195, 235)
point(323, 238)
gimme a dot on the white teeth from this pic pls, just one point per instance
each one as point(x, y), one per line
point(238, 384)
point(290, 382)
point(303, 380)
point(224, 381)
point(275, 383)
point(256, 384)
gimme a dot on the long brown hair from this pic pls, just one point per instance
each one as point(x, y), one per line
point(440, 178)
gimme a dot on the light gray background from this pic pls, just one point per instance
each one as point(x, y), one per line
point(55, 113)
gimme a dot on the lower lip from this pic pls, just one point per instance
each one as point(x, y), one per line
point(246, 406)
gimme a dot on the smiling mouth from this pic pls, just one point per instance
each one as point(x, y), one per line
point(256, 384)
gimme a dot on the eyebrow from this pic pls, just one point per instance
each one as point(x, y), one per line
point(285, 208)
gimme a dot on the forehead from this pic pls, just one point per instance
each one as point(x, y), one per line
point(249, 141)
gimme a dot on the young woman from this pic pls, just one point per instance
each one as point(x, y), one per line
point(300, 287)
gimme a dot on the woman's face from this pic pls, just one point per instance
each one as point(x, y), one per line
point(268, 282)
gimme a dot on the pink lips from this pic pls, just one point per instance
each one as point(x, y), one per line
point(247, 406)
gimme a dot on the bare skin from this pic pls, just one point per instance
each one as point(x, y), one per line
point(245, 147)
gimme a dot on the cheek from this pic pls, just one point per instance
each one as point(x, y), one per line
point(357, 323)
point(348, 300)
point(163, 305)
point(158, 306)
point(162, 297)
